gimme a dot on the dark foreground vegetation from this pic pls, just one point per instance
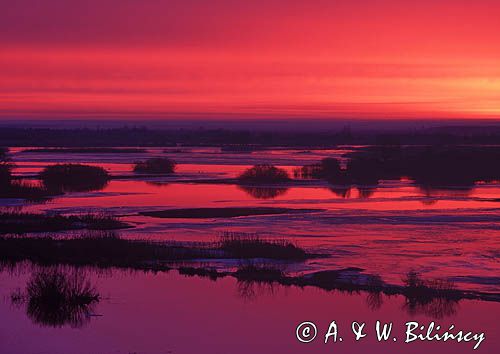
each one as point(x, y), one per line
point(157, 165)
point(55, 180)
point(14, 188)
point(428, 167)
point(58, 296)
point(18, 222)
point(264, 174)
point(87, 150)
point(55, 297)
point(436, 298)
point(106, 249)
point(74, 178)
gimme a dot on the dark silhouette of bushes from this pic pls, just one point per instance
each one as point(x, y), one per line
point(432, 167)
point(461, 166)
point(74, 178)
point(12, 188)
point(328, 168)
point(262, 174)
point(364, 171)
point(159, 165)
point(436, 298)
point(56, 298)
point(55, 180)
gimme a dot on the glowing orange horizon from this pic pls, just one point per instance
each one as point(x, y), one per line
point(320, 59)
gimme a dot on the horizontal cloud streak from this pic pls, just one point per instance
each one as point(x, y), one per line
point(262, 58)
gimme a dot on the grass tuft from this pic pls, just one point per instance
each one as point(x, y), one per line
point(74, 178)
point(56, 298)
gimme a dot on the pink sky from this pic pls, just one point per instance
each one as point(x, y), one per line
point(263, 58)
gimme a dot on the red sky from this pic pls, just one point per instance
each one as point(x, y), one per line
point(259, 58)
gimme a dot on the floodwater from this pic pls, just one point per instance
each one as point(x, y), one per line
point(388, 230)
point(169, 313)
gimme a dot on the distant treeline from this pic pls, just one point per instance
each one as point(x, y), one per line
point(44, 137)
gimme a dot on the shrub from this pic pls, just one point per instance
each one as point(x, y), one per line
point(328, 168)
point(16, 188)
point(56, 298)
point(264, 174)
point(161, 165)
point(74, 177)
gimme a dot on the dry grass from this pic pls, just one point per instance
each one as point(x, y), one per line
point(252, 246)
point(15, 222)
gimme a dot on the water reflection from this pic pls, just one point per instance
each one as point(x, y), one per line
point(445, 171)
point(374, 300)
point(259, 192)
point(438, 307)
point(250, 291)
point(366, 191)
point(433, 298)
point(341, 191)
point(435, 307)
point(456, 192)
point(58, 297)
point(168, 306)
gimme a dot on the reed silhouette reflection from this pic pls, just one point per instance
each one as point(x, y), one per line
point(58, 297)
point(433, 298)
point(435, 170)
point(260, 192)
